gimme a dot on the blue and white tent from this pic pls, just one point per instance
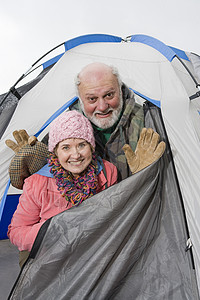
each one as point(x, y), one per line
point(164, 76)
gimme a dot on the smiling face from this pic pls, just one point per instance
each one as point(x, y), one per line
point(100, 95)
point(74, 155)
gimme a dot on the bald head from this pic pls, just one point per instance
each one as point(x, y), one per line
point(99, 90)
point(96, 71)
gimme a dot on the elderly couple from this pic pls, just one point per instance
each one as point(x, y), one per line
point(89, 147)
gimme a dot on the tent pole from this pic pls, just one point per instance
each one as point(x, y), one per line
point(12, 89)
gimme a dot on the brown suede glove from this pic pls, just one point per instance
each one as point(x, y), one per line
point(30, 157)
point(148, 150)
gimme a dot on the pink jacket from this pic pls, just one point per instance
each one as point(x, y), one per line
point(40, 201)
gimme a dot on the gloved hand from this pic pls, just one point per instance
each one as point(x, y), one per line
point(22, 138)
point(147, 151)
point(30, 156)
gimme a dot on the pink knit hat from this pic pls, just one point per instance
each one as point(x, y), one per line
point(70, 124)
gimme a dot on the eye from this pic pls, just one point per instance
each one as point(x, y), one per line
point(110, 95)
point(92, 99)
point(65, 147)
point(82, 145)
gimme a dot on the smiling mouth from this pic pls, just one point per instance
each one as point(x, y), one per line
point(103, 115)
point(75, 163)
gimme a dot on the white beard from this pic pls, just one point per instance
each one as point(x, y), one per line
point(108, 122)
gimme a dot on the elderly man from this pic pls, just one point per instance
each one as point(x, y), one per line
point(116, 118)
point(110, 106)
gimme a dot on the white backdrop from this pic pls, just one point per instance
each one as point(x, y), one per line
point(28, 29)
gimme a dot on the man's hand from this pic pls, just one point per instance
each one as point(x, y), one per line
point(148, 150)
point(30, 157)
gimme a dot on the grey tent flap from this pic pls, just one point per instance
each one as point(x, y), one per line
point(127, 242)
point(111, 247)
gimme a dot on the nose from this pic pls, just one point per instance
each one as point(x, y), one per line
point(102, 104)
point(75, 153)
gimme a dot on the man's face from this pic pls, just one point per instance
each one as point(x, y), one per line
point(101, 99)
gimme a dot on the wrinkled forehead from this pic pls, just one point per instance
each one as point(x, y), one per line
point(98, 81)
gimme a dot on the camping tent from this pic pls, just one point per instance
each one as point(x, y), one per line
point(164, 76)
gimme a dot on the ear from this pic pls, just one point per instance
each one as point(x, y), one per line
point(92, 149)
point(55, 150)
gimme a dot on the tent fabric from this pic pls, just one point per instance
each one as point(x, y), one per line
point(156, 102)
point(127, 242)
point(182, 123)
point(145, 69)
point(90, 38)
point(8, 107)
point(52, 61)
point(195, 59)
point(117, 245)
point(166, 51)
point(56, 114)
point(180, 53)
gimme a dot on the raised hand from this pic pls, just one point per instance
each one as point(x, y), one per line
point(30, 156)
point(148, 150)
point(22, 138)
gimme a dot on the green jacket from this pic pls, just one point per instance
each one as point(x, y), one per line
point(127, 132)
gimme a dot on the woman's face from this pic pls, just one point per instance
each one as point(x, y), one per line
point(74, 155)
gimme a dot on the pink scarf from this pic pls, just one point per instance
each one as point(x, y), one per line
point(75, 190)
